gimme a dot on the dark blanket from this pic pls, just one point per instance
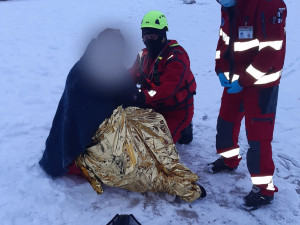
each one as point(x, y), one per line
point(82, 108)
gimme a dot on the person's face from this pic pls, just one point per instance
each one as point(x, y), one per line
point(150, 37)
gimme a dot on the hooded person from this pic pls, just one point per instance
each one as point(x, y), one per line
point(96, 85)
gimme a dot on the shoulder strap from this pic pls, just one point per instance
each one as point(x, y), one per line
point(163, 55)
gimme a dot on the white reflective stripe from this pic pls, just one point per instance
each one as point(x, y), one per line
point(254, 72)
point(231, 153)
point(170, 57)
point(152, 93)
point(234, 78)
point(226, 75)
point(141, 54)
point(271, 186)
point(218, 54)
point(225, 37)
point(269, 78)
point(262, 180)
point(277, 45)
point(243, 46)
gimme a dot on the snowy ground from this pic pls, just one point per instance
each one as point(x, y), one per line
point(39, 42)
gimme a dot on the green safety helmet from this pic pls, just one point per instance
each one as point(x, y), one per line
point(155, 19)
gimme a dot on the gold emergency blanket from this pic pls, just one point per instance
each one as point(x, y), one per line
point(134, 150)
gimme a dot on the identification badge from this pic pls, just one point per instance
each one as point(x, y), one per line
point(245, 33)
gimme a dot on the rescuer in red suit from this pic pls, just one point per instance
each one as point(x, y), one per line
point(249, 62)
point(163, 71)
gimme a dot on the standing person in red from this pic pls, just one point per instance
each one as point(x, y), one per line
point(249, 61)
point(163, 71)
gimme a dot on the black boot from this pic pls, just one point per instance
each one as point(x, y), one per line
point(203, 191)
point(219, 166)
point(186, 135)
point(255, 198)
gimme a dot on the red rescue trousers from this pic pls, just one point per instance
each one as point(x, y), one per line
point(178, 120)
point(258, 106)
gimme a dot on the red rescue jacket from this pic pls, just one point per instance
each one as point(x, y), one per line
point(252, 42)
point(171, 83)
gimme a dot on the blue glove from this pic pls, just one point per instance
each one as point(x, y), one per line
point(234, 88)
point(227, 3)
point(223, 80)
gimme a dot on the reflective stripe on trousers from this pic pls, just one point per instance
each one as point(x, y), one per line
point(264, 180)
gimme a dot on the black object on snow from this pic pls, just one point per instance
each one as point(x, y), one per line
point(220, 166)
point(186, 135)
point(124, 220)
point(256, 199)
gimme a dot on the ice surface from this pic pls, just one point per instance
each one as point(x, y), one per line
point(40, 40)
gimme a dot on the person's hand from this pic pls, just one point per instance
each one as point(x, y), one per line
point(234, 87)
point(141, 99)
point(227, 3)
point(223, 80)
point(142, 80)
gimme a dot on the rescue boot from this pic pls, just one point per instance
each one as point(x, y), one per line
point(186, 135)
point(219, 166)
point(256, 199)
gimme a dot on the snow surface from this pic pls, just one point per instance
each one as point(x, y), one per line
point(40, 40)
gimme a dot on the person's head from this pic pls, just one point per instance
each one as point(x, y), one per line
point(154, 32)
point(105, 57)
point(112, 44)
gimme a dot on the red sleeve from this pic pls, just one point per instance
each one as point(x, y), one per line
point(272, 39)
point(134, 70)
point(174, 75)
point(222, 64)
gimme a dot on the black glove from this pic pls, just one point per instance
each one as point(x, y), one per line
point(143, 82)
point(141, 100)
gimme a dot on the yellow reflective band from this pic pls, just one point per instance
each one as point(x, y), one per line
point(231, 153)
point(218, 54)
point(152, 93)
point(277, 45)
point(159, 57)
point(254, 72)
point(262, 180)
point(269, 78)
point(244, 46)
point(174, 45)
point(225, 37)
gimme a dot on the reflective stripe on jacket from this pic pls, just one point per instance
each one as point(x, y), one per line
point(171, 81)
point(257, 57)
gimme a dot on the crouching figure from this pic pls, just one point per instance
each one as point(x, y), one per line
point(134, 150)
